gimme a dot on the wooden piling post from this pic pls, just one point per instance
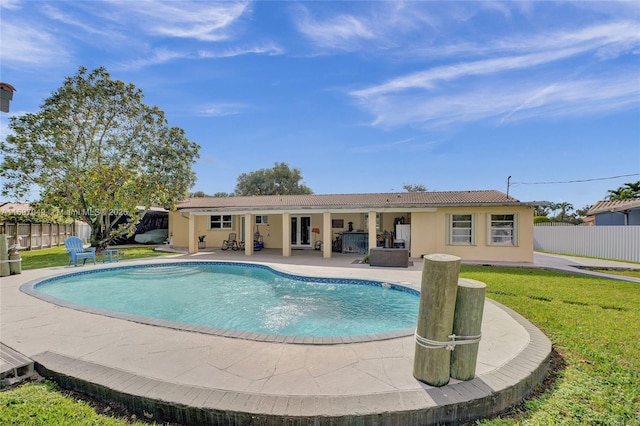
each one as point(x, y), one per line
point(467, 324)
point(435, 318)
point(4, 256)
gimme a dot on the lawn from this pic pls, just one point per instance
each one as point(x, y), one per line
point(592, 322)
point(635, 273)
point(58, 256)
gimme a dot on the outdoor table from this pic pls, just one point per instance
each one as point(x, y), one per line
point(111, 253)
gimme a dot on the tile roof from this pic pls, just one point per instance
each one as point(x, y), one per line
point(11, 207)
point(400, 199)
point(614, 206)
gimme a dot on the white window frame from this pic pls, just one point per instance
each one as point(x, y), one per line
point(451, 219)
point(262, 219)
point(493, 230)
point(225, 224)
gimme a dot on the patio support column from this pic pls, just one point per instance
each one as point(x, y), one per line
point(286, 234)
point(193, 245)
point(248, 234)
point(373, 230)
point(326, 235)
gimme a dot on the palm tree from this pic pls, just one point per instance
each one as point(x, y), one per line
point(564, 207)
point(627, 191)
point(541, 211)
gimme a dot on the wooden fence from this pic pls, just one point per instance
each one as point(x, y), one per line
point(607, 242)
point(34, 236)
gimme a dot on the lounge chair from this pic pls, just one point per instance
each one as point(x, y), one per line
point(77, 251)
point(231, 242)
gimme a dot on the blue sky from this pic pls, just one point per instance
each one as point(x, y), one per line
point(363, 96)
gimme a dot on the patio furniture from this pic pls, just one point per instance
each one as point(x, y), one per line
point(393, 257)
point(76, 251)
point(110, 253)
point(231, 242)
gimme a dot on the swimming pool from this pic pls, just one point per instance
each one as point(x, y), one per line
point(239, 300)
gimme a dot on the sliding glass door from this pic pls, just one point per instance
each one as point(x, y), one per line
point(300, 231)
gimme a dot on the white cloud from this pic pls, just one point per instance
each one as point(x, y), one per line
point(221, 109)
point(509, 102)
point(10, 4)
point(156, 57)
point(616, 38)
point(28, 45)
point(204, 21)
point(58, 15)
point(338, 32)
point(265, 49)
point(513, 86)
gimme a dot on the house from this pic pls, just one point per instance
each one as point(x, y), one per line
point(617, 212)
point(15, 208)
point(475, 225)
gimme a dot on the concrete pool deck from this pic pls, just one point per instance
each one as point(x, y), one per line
point(196, 378)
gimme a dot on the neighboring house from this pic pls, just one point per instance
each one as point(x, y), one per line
point(618, 212)
point(475, 225)
point(11, 207)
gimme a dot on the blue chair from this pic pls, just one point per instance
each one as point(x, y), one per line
point(77, 251)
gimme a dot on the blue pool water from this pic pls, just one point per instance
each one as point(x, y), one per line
point(247, 297)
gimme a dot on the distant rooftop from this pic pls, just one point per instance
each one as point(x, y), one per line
point(11, 207)
point(614, 206)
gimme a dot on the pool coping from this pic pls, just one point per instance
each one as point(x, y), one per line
point(30, 289)
point(454, 403)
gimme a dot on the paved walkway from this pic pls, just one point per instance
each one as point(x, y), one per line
point(573, 264)
point(201, 378)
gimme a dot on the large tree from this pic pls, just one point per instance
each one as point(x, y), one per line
point(280, 180)
point(628, 191)
point(414, 187)
point(96, 150)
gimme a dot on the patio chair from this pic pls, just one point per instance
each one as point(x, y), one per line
point(231, 242)
point(77, 251)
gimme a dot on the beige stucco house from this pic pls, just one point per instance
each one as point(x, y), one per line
point(475, 225)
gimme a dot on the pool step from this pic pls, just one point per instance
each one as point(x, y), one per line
point(162, 271)
point(14, 367)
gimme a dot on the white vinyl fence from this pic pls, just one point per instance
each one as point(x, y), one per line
point(83, 231)
point(607, 242)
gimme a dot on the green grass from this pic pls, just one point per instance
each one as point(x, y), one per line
point(57, 256)
point(592, 322)
point(43, 404)
point(635, 273)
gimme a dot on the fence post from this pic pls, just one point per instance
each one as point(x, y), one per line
point(435, 318)
point(4, 256)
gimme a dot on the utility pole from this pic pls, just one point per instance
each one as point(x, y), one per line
point(508, 179)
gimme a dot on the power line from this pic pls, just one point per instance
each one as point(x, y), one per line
point(574, 181)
